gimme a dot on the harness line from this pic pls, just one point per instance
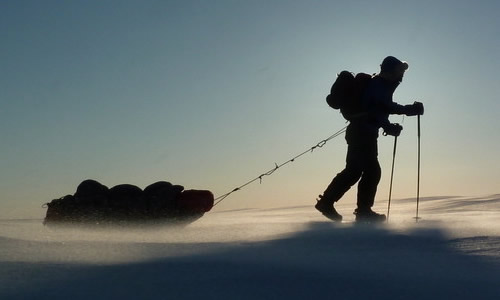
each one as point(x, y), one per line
point(277, 166)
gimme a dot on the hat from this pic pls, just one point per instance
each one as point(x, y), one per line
point(390, 63)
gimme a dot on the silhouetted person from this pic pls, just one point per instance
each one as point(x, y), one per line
point(362, 156)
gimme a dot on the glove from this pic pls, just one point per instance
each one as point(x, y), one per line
point(417, 108)
point(393, 129)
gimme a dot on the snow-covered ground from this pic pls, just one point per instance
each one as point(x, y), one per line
point(453, 252)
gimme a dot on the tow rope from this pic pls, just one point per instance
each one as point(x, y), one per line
point(277, 166)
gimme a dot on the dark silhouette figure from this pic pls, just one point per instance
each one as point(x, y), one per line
point(361, 135)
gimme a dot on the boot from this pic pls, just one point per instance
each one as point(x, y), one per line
point(367, 215)
point(327, 209)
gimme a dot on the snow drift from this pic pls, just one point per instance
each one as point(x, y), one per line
point(288, 253)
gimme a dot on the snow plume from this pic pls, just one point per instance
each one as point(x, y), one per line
point(290, 253)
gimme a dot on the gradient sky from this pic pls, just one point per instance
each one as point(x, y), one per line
point(210, 94)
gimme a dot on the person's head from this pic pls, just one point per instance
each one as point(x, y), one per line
point(393, 69)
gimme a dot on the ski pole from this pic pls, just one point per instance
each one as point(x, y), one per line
point(392, 176)
point(418, 165)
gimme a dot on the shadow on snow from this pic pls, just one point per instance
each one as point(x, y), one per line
point(325, 260)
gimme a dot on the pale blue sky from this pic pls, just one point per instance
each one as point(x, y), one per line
point(210, 94)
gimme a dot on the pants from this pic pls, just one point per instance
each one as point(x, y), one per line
point(361, 163)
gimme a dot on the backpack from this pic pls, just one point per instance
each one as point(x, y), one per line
point(346, 93)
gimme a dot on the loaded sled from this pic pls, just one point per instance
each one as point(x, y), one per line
point(162, 202)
